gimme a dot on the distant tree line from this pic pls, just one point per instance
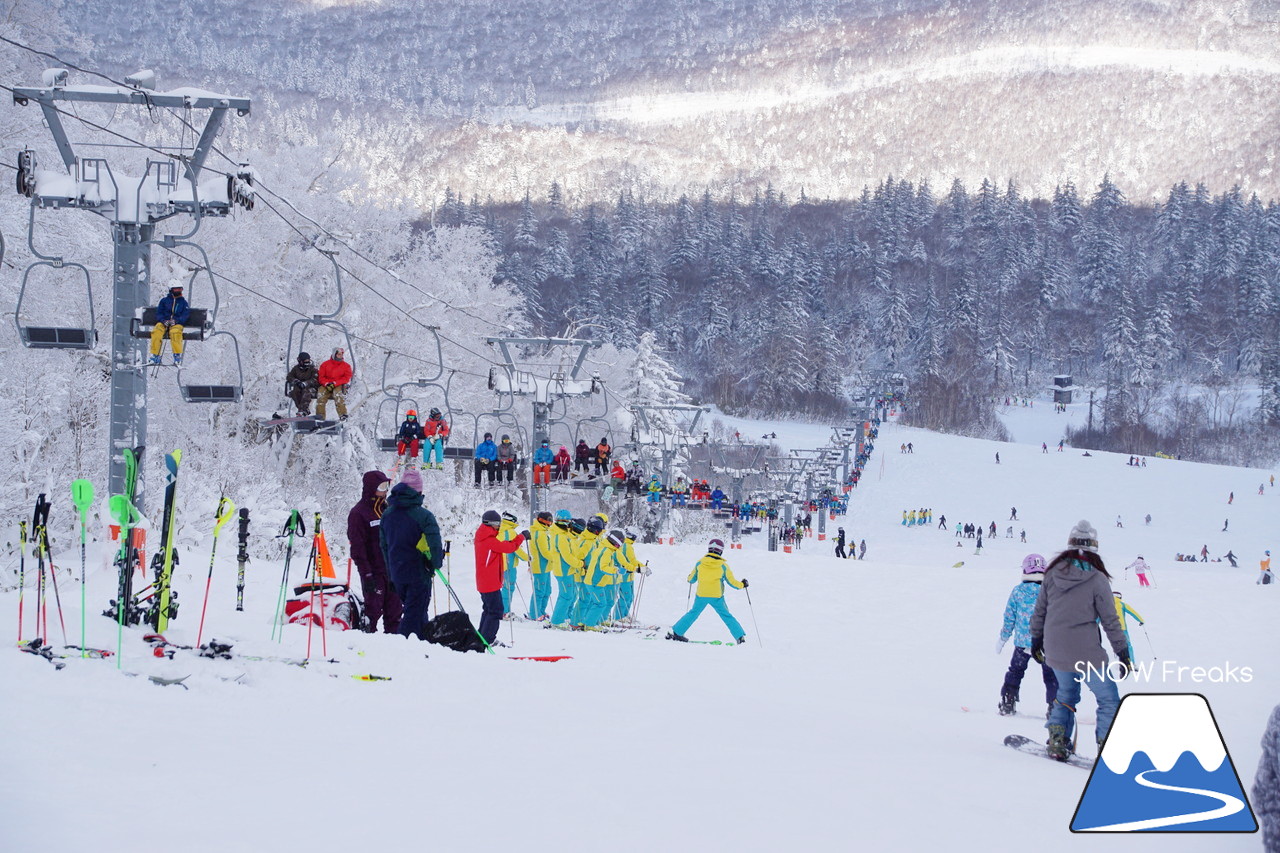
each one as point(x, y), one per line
point(772, 305)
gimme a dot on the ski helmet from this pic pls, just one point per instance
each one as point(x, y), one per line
point(544, 517)
point(175, 290)
point(615, 538)
point(304, 357)
point(631, 534)
point(562, 515)
point(506, 437)
point(595, 525)
point(576, 525)
point(511, 517)
point(490, 516)
point(412, 413)
point(603, 516)
point(715, 546)
point(1032, 564)
point(435, 413)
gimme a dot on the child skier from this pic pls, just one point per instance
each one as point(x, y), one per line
point(1017, 624)
point(1140, 566)
point(410, 437)
point(710, 574)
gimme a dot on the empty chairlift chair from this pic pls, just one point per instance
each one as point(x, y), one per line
point(224, 393)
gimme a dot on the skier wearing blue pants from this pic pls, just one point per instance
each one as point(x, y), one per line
point(710, 574)
point(511, 562)
point(602, 572)
point(626, 587)
point(566, 570)
point(542, 553)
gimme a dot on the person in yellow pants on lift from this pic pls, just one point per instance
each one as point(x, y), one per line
point(171, 315)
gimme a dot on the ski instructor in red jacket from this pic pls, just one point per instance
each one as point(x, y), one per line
point(489, 551)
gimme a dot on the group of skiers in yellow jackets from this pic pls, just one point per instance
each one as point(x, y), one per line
point(594, 571)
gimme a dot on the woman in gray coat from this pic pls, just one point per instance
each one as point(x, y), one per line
point(1074, 597)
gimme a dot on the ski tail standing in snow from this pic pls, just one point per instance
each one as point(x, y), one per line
point(412, 550)
point(489, 551)
point(364, 522)
point(1017, 624)
point(711, 574)
point(1075, 594)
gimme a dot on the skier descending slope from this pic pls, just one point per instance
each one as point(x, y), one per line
point(1077, 592)
point(1017, 624)
point(710, 574)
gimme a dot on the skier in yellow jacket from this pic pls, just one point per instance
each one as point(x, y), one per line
point(626, 577)
point(601, 573)
point(711, 573)
point(544, 552)
point(507, 532)
point(568, 567)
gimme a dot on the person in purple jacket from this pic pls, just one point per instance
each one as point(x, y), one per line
point(380, 599)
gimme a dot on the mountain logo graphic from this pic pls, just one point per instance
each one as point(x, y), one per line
point(1164, 768)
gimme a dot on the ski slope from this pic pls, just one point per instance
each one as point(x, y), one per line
point(839, 726)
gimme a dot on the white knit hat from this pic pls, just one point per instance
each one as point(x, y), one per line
point(1083, 536)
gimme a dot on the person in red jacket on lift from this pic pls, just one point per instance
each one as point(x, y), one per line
point(489, 565)
point(335, 376)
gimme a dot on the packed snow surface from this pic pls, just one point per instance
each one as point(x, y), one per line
point(859, 716)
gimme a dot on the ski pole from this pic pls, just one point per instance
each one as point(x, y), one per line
point(1143, 626)
point(22, 572)
point(753, 617)
point(82, 497)
point(57, 597)
point(242, 557)
point(220, 518)
point(294, 526)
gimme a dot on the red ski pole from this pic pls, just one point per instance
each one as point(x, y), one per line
point(220, 518)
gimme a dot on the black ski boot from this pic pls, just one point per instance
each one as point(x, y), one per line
point(742, 639)
point(1008, 704)
point(672, 635)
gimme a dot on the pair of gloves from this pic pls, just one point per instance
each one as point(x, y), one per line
point(1037, 652)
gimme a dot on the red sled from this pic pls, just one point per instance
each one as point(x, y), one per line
point(341, 608)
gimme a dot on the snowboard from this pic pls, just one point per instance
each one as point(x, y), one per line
point(1033, 747)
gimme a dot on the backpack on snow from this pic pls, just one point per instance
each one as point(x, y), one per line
point(454, 630)
point(342, 609)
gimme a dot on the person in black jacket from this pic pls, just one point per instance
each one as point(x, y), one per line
point(411, 547)
point(302, 383)
point(583, 456)
point(840, 544)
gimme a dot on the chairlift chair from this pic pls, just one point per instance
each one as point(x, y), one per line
point(199, 325)
point(52, 337)
point(227, 393)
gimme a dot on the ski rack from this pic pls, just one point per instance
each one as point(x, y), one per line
point(311, 426)
point(52, 337)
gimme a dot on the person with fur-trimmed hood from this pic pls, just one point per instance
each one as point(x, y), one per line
point(363, 526)
point(1074, 596)
point(1017, 624)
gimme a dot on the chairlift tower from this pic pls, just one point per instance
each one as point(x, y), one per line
point(747, 463)
point(169, 186)
point(665, 443)
point(544, 390)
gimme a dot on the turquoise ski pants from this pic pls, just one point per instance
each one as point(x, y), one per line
point(541, 595)
point(626, 594)
point(435, 446)
point(565, 600)
point(509, 576)
point(717, 604)
point(594, 605)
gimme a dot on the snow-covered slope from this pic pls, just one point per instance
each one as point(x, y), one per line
point(838, 726)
